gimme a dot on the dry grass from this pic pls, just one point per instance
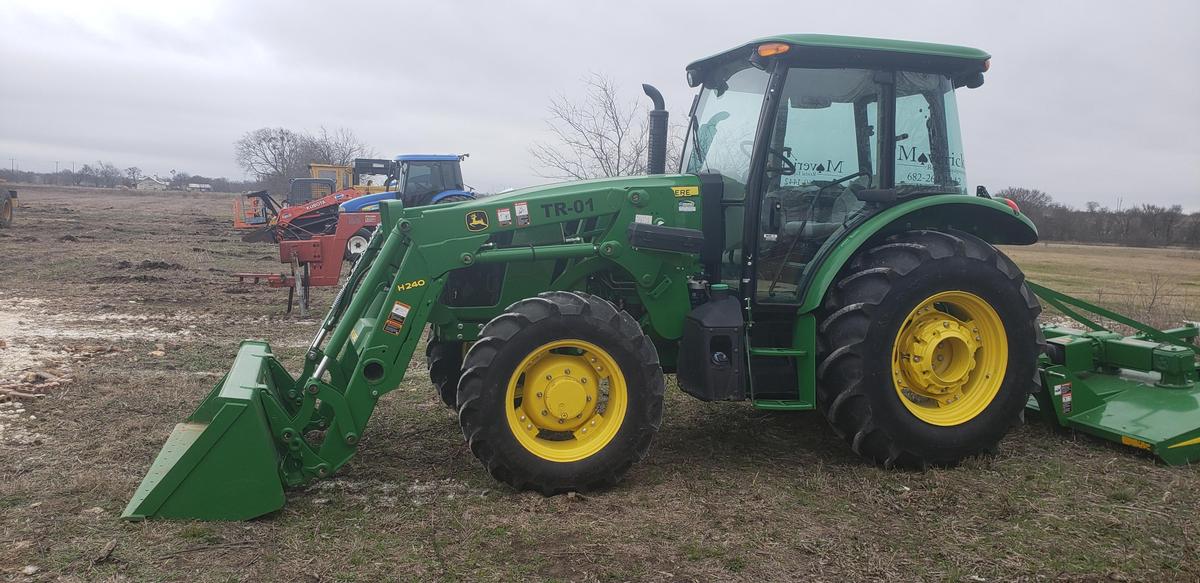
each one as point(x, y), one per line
point(727, 493)
point(1159, 286)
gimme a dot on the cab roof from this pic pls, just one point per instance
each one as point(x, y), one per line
point(855, 49)
point(426, 157)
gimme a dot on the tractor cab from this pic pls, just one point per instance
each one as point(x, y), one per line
point(305, 190)
point(418, 180)
point(807, 130)
point(364, 174)
point(808, 137)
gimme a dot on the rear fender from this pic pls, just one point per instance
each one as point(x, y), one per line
point(988, 219)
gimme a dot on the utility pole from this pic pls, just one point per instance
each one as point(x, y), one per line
point(56, 166)
point(12, 164)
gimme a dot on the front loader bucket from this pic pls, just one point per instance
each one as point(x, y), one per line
point(221, 463)
point(260, 430)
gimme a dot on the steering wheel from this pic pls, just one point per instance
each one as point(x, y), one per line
point(866, 173)
point(789, 167)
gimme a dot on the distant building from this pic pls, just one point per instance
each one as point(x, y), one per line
point(199, 187)
point(149, 183)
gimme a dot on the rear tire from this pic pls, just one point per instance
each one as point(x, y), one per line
point(445, 361)
point(536, 364)
point(953, 298)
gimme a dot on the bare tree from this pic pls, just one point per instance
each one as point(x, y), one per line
point(596, 137)
point(341, 146)
point(1027, 198)
point(276, 155)
point(272, 155)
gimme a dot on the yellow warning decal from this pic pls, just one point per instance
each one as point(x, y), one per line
point(1195, 441)
point(682, 191)
point(1135, 442)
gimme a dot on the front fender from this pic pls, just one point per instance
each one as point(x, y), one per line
point(988, 219)
point(366, 203)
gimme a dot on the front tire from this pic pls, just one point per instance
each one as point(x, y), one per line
point(562, 392)
point(6, 212)
point(929, 346)
point(357, 243)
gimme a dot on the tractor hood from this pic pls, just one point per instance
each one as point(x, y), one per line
point(586, 186)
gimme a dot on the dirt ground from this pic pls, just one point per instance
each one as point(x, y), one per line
point(120, 308)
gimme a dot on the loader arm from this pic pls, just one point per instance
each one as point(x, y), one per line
point(362, 350)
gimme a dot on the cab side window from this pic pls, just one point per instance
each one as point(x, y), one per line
point(822, 150)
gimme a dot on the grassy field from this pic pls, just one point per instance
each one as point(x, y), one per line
point(1160, 286)
point(727, 493)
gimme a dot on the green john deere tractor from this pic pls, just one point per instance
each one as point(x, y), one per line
point(818, 250)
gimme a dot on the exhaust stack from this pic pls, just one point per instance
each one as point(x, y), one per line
point(656, 162)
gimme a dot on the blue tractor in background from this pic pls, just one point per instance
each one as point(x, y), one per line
point(415, 179)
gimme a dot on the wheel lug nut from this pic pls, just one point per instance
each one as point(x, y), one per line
point(539, 395)
point(548, 377)
point(945, 324)
point(584, 430)
point(589, 398)
point(545, 412)
point(528, 426)
point(561, 421)
point(522, 418)
point(566, 371)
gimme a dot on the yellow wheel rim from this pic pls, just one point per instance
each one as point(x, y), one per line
point(566, 400)
point(949, 358)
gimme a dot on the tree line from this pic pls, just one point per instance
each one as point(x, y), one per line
point(108, 175)
point(271, 156)
point(1144, 225)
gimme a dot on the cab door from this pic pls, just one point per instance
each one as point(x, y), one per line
point(818, 148)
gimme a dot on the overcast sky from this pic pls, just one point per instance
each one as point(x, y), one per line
point(1085, 100)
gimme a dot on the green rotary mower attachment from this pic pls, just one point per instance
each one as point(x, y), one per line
point(1141, 390)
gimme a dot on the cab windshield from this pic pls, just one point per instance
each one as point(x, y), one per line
point(829, 126)
point(724, 124)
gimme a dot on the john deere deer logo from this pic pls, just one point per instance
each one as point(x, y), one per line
point(477, 221)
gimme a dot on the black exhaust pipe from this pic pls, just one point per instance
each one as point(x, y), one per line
point(656, 162)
